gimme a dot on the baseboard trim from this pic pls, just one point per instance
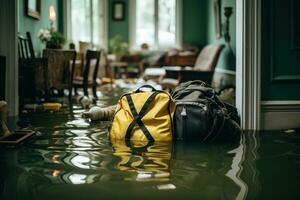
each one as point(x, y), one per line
point(225, 71)
point(279, 115)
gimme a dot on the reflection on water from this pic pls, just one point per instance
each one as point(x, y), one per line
point(150, 162)
point(69, 158)
point(73, 158)
point(202, 170)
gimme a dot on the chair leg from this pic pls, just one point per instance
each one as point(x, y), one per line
point(95, 91)
point(45, 69)
point(75, 90)
point(85, 90)
point(70, 92)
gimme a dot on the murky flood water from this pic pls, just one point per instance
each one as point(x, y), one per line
point(72, 158)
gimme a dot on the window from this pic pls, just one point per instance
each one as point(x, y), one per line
point(87, 22)
point(155, 22)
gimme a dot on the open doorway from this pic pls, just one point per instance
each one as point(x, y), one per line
point(248, 60)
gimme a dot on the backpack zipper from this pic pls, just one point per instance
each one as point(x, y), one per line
point(183, 115)
point(202, 105)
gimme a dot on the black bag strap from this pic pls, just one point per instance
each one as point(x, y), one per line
point(145, 86)
point(216, 128)
point(137, 117)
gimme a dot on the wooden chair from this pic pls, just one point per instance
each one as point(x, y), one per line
point(134, 65)
point(87, 79)
point(29, 73)
point(25, 47)
point(202, 70)
point(61, 65)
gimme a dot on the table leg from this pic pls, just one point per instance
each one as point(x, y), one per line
point(45, 66)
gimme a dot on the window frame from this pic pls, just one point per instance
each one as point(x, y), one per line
point(68, 28)
point(132, 27)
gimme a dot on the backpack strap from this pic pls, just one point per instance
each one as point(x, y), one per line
point(137, 117)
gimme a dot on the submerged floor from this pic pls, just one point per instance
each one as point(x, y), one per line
point(72, 158)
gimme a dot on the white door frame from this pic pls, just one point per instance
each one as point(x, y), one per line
point(248, 70)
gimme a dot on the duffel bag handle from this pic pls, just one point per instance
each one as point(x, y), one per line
point(145, 86)
point(209, 92)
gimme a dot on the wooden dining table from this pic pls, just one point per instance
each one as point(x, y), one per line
point(61, 64)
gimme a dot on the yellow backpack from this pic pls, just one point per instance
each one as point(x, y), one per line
point(144, 116)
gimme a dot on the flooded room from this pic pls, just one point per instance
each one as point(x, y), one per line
point(149, 99)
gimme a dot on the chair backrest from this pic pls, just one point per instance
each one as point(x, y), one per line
point(208, 57)
point(59, 70)
point(25, 47)
point(91, 55)
point(83, 46)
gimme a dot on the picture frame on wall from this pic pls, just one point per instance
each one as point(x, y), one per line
point(33, 8)
point(118, 10)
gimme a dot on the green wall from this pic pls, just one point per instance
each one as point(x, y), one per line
point(280, 50)
point(27, 23)
point(227, 59)
point(118, 27)
point(194, 22)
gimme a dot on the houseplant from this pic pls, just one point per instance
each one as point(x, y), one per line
point(118, 46)
point(52, 38)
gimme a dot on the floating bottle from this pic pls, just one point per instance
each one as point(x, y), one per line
point(33, 107)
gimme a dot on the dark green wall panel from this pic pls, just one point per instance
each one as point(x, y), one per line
point(296, 24)
point(118, 27)
point(29, 24)
point(194, 22)
point(280, 50)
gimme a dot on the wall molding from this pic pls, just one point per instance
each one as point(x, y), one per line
point(225, 71)
point(248, 52)
point(286, 106)
point(284, 78)
point(279, 115)
point(179, 20)
point(67, 19)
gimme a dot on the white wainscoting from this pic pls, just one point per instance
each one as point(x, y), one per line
point(279, 115)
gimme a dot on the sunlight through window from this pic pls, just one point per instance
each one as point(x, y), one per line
point(155, 23)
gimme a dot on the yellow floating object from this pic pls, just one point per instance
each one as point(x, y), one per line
point(52, 106)
point(107, 80)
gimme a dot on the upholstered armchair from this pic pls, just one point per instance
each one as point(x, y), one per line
point(202, 70)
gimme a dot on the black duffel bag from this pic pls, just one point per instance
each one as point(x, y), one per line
point(201, 116)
